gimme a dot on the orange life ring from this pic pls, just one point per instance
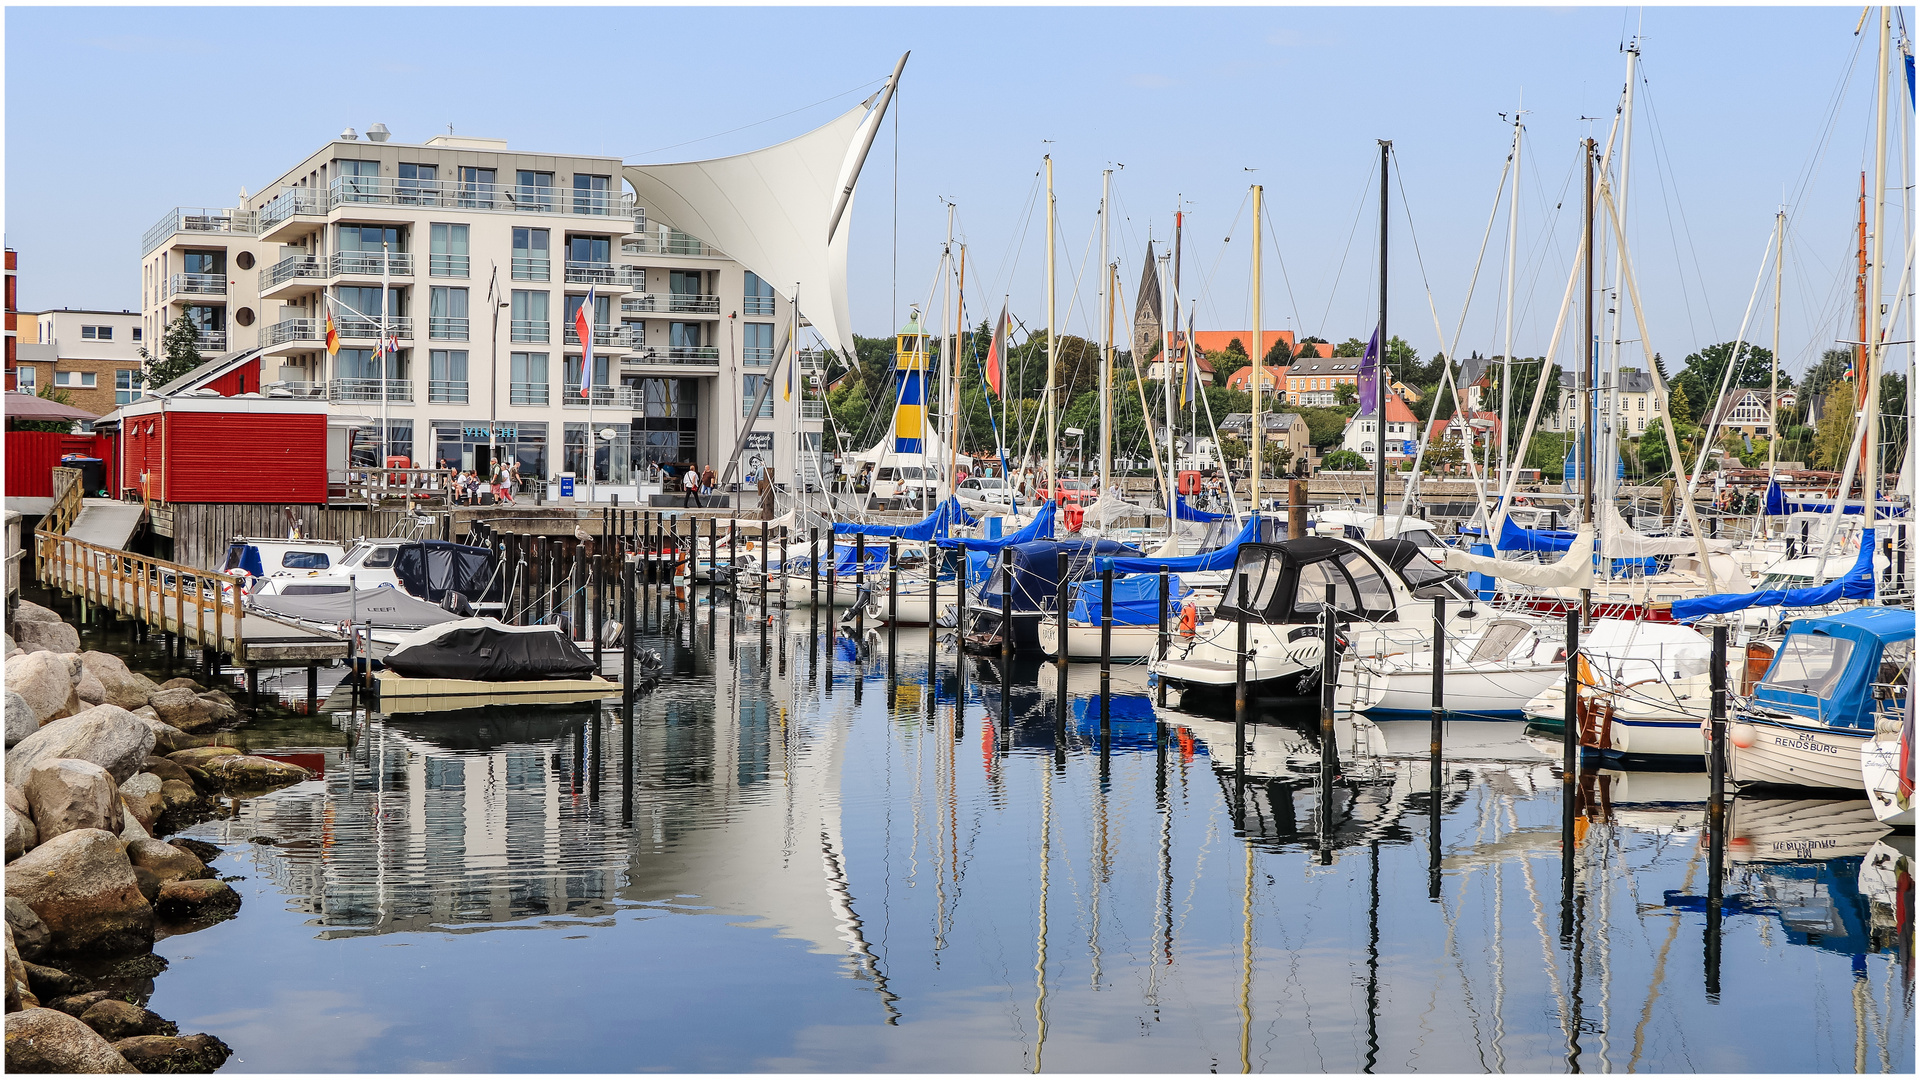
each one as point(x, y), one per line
point(1189, 618)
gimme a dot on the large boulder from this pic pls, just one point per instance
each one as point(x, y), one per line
point(30, 935)
point(200, 1053)
point(116, 1020)
point(180, 681)
point(167, 862)
point(81, 885)
point(44, 680)
point(53, 636)
point(178, 794)
point(197, 899)
point(141, 794)
point(117, 684)
point(50, 982)
point(199, 757)
point(22, 835)
point(48, 1041)
point(21, 721)
point(27, 611)
point(246, 772)
point(189, 712)
point(68, 794)
point(107, 735)
point(16, 975)
point(166, 737)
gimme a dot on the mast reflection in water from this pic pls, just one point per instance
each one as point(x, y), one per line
point(814, 856)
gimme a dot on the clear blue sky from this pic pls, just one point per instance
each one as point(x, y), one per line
point(116, 115)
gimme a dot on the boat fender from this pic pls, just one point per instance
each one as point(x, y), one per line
point(1741, 735)
point(1189, 618)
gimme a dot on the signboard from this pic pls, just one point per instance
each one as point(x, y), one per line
point(759, 440)
point(501, 433)
point(1407, 447)
point(566, 485)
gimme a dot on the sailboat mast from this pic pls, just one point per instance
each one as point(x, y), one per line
point(1258, 433)
point(1186, 354)
point(953, 373)
point(1053, 344)
point(1584, 396)
point(948, 350)
point(1166, 362)
point(1773, 374)
point(1870, 416)
point(1506, 353)
point(1106, 332)
point(1617, 422)
point(1380, 375)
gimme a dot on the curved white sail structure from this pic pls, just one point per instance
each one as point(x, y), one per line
point(780, 211)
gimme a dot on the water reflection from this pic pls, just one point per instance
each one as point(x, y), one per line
point(861, 841)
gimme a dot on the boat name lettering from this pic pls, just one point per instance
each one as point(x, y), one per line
point(1812, 746)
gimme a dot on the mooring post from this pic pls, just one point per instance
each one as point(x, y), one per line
point(813, 566)
point(577, 585)
point(1160, 637)
point(860, 587)
point(784, 530)
point(1716, 808)
point(629, 571)
point(833, 576)
point(313, 687)
point(893, 594)
point(934, 558)
point(599, 603)
point(1062, 607)
point(253, 689)
point(1006, 621)
point(1434, 765)
point(1106, 637)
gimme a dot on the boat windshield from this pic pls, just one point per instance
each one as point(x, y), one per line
point(1811, 663)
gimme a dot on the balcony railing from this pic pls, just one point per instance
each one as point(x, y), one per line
point(441, 265)
point(466, 195)
point(447, 392)
point(663, 241)
point(370, 263)
point(691, 355)
point(447, 327)
point(290, 330)
point(291, 203)
point(813, 359)
point(756, 305)
point(527, 393)
point(199, 219)
point(291, 268)
point(212, 339)
point(354, 326)
point(627, 337)
point(534, 331)
point(531, 268)
point(673, 303)
point(756, 355)
point(583, 273)
point(297, 389)
point(600, 203)
point(603, 397)
point(813, 410)
point(369, 390)
point(602, 335)
point(197, 284)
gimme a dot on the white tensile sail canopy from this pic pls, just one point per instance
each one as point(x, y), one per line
point(780, 211)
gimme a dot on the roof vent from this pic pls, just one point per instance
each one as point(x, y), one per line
point(379, 133)
point(349, 135)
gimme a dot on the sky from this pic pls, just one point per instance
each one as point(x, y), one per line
point(113, 116)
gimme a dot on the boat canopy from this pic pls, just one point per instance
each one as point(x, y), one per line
point(429, 569)
point(1041, 527)
point(1185, 512)
point(1036, 571)
point(944, 517)
point(847, 560)
point(1287, 582)
point(490, 651)
point(383, 606)
point(1425, 577)
point(1856, 584)
point(1136, 600)
point(1519, 538)
point(1778, 504)
point(1827, 666)
point(1219, 559)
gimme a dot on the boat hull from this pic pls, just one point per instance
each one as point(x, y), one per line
point(1880, 772)
point(401, 694)
point(1083, 640)
point(1790, 754)
point(1486, 694)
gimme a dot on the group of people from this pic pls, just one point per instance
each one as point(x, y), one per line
point(696, 483)
point(465, 485)
point(1737, 501)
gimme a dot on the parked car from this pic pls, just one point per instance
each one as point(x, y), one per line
point(990, 489)
point(1073, 491)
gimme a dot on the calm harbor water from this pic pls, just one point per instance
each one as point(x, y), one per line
point(798, 858)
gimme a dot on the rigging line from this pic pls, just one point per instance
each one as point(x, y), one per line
point(1534, 268)
point(1207, 276)
point(757, 123)
point(1664, 158)
point(1358, 207)
point(1829, 126)
point(1282, 260)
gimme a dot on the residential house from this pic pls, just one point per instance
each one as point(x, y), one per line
point(1273, 380)
point(91, 356)
point(1638, 403)
point(1744, 411)
point(1402, 431)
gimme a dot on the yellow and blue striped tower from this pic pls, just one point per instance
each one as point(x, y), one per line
point(910, 363)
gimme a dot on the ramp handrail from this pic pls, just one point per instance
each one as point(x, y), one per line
point(143, 586)
point(67, 503)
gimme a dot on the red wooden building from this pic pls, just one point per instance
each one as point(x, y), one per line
point(225, 449)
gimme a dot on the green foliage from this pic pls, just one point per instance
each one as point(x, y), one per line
point(1280, 355)
point(1654, 459)
point(179, 353)
point(1344, 461)
point(1310, 349)
point(1325, 427)
point(1446, 453)
point(1232, 449)
point(1227, 361)
point(1680, 406)
point(1353, 346)
point(1526, 380)
point(1346, 393)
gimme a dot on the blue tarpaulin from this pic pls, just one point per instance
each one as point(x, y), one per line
point(1040, 528)
point(1187, 513)
point(1778, 504)
point(1515, 538)
point(1136, 600)
point(844, 555)
point(944, 517)
point(1856, 585)
point(1221, 558)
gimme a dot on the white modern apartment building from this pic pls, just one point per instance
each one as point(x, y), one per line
point(476, 259)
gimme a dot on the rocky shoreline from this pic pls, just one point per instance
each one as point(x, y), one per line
point(101, 763)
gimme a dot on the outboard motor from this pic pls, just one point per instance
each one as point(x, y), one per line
point(457, 603)
point(647, 666)
point(611, 632)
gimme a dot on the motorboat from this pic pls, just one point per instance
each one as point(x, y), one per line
point(1026, 586)
point(1835, 681)
point(1490, 675)
point(477, 662)
point(1886, 768)
point(381, 617)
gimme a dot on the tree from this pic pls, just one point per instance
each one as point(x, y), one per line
point(1344, 461)
point(1753, 368)
point(1228, 360)
point(1444, 454)
point(1526, 380)
point(1346, 393)
point(1403, 363)
point(1310, 350)
point(1232, 449)
point(179, 353)
point(1280, 355)
point(1325, 427)
point(1834, 437)
point(1679, 406)
point(1353, 346)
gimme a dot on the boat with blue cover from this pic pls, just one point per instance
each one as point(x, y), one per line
point(1834, 680)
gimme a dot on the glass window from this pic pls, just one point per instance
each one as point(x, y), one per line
point(447, 376)
point(126, 386)
point(590, 194)
point(380, 557)
point(749, 390)
point(1311, 592)
point(533, 191)
point(371, 238)
point(210, 318)
point(27, 379)
point(529, 316)
point(447, 313)
point(476, 187)
point(449, 255)
point(203, 262)
point(683, 335)
point(1810, 663)
point(416, 182)
point(589, 249)
point(532, 261)
point(756, 343)
point(79, 380)
point(602, 311)
point(359, 180)
point(528, 377)
point(573, 372)
point(759, 296)
point(685, 282)
point(1375, 596)
point(304, 560)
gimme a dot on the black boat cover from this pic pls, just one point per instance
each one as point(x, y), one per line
point(430, 568)
point(381, 607)
point(490, 651)
point(1287, 582)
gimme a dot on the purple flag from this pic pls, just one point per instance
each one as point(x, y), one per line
point(1370, 375)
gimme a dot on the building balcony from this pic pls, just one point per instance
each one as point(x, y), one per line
point(675, 359)
point(527, 393)
point(604, 397)
point(625, 337)
point(370, 264)
point(623, 278)
point(756, 355)
point(447, 392)
point(447, 328)
point(673, 303)
point(813, 410)
point(756, 305)
point(450, 266)
point(293, 276)
point(291, 336)
point(531, 268)
point(374, 390)
point(198, 221)
point(663, 241)
point(599, 203)
point(528, 331)
point(292, 214)
point(211, 340)
point(813, 359)
point(382, 191)
point(358, 327)
point(197, 285)
point(603, 336)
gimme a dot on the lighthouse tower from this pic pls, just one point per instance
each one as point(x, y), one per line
point(908, 458)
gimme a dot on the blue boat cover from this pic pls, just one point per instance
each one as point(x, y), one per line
point(1187, 513)
point(1848, 701)
point(1036, 571)
point(944, 517)
point(844, 556)
point(1856, 584)
point(1221, 558)
point(1515, 538)
point(1040, 528)
point(1777, 504)
point(1136, 600)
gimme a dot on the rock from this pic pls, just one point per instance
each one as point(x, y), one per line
point(187, 711)
point(183, 681)
point(119, 685)
point(165, 770)
point(17, 799)
point(22, 835)
point(245, 772)
point(199, 849)
point(116, 1020)
point(175, 794)
point(55, 637)
point(141, 793)
point(106, 735)
point(81, 885)
point(199, 756)
point(30, 935)
point(16, 976)
point(220, 707)
point(167, 862)
point(27, 611)
point(149, 883)
point(196, 899)
point(130, 827)
point(48, 1041)
point(68, 794)
point(220, 696)
point(21, 720)
point(51, 982)
point(76, 1004)
point(44, 680)
point(165, 1054)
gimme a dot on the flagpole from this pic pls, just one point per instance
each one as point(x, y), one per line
point(493, 375)
point(380, 349)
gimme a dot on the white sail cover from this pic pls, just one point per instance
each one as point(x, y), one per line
point(770, 211)
point(1573, 571)
point(1619, 541)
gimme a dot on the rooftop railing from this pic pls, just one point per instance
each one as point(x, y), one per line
point(472, 195)
point(199, 219)
point(659, 240)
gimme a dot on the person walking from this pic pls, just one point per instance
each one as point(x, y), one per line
point(707, 483)
point(690, 484)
